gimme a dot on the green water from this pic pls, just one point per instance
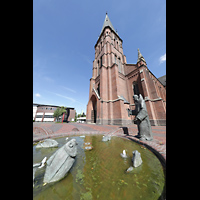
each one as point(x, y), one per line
point(100, 172)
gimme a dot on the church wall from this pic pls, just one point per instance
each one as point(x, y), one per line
point(129, 68)
point(104, 93)
point(159, 109)
point(122, 86)
point(148, 106)
point(152, 89)
point(89, 108)
point(130, 79)
point(114, 74)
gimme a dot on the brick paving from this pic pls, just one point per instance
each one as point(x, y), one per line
point(42, 130)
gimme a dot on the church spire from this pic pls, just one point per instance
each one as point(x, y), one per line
point(140, 57)
point(106, 23)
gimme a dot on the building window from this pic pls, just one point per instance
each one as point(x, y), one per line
point(98, 89)
point(101, 63)
point(98, 68)
point(115, 59)
point(135, 88)
point(39, 116)
point(48, 116)
point(119, 65)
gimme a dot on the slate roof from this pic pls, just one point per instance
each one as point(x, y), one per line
point(106, 23)
point(162, 79)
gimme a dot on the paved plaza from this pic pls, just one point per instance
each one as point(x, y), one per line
point(42, 130)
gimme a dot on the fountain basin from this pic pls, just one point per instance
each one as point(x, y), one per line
point(101, 172)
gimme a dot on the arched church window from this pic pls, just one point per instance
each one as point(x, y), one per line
point(98, 89)
point(135, 88)
point(98, 68)
point(101, 61)
point(119, 65)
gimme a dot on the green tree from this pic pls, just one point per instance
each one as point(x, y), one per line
point(83, 115)
point(75, 117)
point(59, 111)
point(56, 113)
point(63, 110)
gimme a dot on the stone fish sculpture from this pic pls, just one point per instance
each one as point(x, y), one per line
point(47, 143)
point(60, 162)
point(141, 118)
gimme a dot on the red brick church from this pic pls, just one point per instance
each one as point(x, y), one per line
point(114, 82)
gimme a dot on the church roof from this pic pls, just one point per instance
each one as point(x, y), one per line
point(106, 23)
point(162, 79)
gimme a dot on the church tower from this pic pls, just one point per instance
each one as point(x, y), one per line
point(108, 94)
point(114, 82)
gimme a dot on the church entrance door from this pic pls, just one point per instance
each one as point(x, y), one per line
point(94, 109)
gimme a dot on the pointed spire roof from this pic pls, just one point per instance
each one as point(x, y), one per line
point(140, 57)
point(106, 23)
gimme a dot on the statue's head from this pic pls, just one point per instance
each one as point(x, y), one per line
point(141, 101)
point(135, 97)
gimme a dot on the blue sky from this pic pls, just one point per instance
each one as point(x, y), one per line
point(64, 35)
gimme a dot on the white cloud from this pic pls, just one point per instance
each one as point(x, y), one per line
point(48, 79)
point(66, 97)
point(86, 58)
point(69, 98)
point(37, 95)
point(162, 58)
point(69, 89)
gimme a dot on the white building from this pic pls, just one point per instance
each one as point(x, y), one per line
point(44, 113)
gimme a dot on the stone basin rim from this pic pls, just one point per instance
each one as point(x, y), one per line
point(79, 133)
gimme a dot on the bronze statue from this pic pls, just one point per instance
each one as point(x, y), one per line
point(141, 118)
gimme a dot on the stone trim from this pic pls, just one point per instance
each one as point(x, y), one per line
point(152, 100)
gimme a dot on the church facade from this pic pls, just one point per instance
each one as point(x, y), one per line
point(114, 82)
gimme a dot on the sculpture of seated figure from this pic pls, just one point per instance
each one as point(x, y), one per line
point(141, 118)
